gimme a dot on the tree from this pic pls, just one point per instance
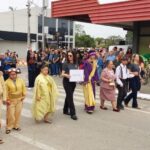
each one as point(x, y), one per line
point(99, 42)
point(79, 29)
point(113, 40)
point(84, 41)
point(129, 37)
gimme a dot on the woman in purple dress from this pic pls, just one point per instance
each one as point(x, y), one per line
point(90, 78)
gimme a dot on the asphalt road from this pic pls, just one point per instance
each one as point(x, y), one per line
point(103, 130)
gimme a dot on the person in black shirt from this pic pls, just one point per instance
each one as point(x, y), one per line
point(134, 82)
point(69, 108)
point(31, 68)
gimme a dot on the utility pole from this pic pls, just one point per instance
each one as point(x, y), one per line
point(43, 24)
point(29, 28)
point(13, 15)
point(69, 34)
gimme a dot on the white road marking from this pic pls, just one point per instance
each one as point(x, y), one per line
point(28, 113)
point(140, 95)
point(62, 93)
point(131, 109)
point(30, 141)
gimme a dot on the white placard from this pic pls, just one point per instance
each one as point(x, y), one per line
point(110, 1)
point(76, 75)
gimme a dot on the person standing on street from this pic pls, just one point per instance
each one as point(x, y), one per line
point(100, 65)
point(122, 74)
point(15, 94)
point(45, 94)
point(55, 65)
point(90, 79)
point(134, 82)
point(107, 87)
point(2, 99)
point(31, 68)
point(7, 65)
point(69, 108)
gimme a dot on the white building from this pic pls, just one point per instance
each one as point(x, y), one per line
point(14, 27)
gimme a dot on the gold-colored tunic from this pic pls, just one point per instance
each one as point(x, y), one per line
point(15, 93)
point(46, 91)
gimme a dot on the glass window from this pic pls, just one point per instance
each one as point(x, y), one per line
point(49, 22)
point(71, 28)
point(145, 31)
point(62, 28)
point(144, 45)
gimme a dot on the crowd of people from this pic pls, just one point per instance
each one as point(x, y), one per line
point(8, 60)
point(107, 69)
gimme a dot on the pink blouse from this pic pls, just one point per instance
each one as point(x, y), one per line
point(110, 75)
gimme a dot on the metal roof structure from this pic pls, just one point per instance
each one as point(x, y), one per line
point(121, 14)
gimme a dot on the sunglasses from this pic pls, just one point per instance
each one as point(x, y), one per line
point(70, 56)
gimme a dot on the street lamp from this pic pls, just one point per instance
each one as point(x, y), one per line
point(13, 10)
point(29, 16)
point(43, 23)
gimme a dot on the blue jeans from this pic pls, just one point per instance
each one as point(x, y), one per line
point(55, 69)
point(99, 71)
point(132, 96)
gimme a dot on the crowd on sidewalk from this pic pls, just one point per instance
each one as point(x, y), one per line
point(8, 60)
point(107, 69)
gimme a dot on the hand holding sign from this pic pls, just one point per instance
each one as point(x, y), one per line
point(76, 75)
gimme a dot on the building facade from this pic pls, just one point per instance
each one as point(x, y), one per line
point(133, 15)
point(14, 28)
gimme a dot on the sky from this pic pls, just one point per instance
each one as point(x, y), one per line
point(91, 29)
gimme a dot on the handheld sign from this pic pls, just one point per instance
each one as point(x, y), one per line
point(76, 75)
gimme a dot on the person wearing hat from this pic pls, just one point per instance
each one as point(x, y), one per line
point(122, 75)
point(44, 96)
point(90, 78)
point(15, 94)
point(2, 99)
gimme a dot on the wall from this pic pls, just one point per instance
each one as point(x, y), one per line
point(20, 20)
point(19, 47)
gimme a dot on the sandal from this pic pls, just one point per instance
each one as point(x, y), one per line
point(8, 131)
point(48, 121)
point(1, 141)
point(116, 110)
point(17, 129)
point(90, 111)
point(103, 108)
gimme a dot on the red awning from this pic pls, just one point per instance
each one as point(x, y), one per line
point(93, 12)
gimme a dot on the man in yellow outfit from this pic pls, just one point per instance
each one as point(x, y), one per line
point(15, 94)
point(2, 99)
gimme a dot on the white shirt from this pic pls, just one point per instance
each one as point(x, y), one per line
point(124, 74)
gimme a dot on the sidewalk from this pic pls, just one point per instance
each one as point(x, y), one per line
point(145, 92)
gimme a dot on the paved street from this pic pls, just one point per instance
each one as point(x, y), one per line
point(104, 130)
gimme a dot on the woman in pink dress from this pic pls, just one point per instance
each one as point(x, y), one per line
point(107, 88)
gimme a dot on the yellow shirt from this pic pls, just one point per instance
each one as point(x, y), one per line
point(2, 88)
point(15, 90)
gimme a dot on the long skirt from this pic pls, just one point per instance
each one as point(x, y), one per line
point(107, 94)
point(89, 97)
